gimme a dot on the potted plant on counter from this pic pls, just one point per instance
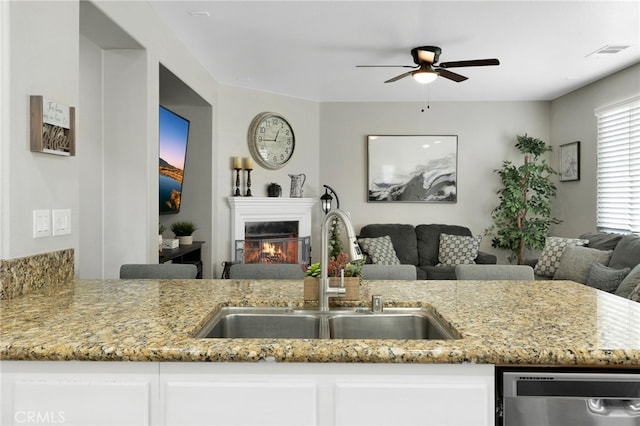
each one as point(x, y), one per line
point(338, 267)
point(184, 231)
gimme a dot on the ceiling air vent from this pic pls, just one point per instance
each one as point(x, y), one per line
point(609, 49)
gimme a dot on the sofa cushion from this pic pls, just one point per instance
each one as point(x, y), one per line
point(380, 250)
point(458, 249)
point(428, 242)
point(605, 278)
point(627, 253)
point(437, 272)
point(602, 240)
point(576, 262)
point(549, 259)
point(631, 281)
point(402, 236)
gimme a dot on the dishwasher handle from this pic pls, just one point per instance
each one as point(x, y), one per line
point(614, 407)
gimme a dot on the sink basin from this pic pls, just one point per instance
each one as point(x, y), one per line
point(357, 323)
point(261, 323)
point(397, 325)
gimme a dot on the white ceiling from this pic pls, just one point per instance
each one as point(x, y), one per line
point(310, 49)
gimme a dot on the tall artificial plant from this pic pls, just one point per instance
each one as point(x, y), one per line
point(523, 217)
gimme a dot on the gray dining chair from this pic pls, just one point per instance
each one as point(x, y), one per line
point(494, 272)
point(158, 271)
point(260, 271)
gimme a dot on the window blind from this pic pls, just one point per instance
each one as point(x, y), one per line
point(618, 175)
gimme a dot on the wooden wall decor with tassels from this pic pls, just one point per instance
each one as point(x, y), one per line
point(53, 129)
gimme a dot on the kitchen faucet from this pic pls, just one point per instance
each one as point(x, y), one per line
point(324, 290)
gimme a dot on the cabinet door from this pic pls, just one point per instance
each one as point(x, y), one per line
point(77, 393)
point(81, 403)
point(239, 401)
point(422, 404)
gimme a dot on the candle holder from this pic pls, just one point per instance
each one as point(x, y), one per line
point(237, 194)
point(248, 194)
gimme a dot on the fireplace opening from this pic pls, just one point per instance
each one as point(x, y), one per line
point(273, 242)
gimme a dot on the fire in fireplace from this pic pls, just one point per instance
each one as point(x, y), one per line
point(272, 242)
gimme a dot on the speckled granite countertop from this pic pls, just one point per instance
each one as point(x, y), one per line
point(539, 323)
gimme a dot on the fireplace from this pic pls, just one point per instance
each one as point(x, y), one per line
point(270, 229)
point(272, 242)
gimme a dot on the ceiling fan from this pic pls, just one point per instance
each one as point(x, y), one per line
point(426, 70)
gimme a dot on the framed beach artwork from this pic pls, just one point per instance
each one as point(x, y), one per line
point(421, 169)
point(570, 161)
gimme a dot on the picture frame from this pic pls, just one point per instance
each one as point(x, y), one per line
point(52, 127)
point(412, 168)
point(570, 162)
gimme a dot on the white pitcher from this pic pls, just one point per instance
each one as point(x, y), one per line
point(297, 181)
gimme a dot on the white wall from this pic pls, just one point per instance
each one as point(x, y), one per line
point(573, 119)
point(486, 136)
point(40, 57)
point(236, 109)
point(90, 255)
point(121, 55)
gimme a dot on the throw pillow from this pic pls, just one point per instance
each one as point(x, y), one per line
point(380, 250)
point(605, 278)
point(576, 261)
point(549, 259)
point(635, 294)
point(627, 252)
point(629, 283)
point(601, 240)
point(458, 249)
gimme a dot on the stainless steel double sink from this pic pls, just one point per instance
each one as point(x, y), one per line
point(350, 323)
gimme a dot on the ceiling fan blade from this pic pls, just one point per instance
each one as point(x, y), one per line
point(398, 77)
point(451, 75)
point(387, 66)
point(471, 63)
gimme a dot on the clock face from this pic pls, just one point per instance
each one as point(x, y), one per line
point(271, 140)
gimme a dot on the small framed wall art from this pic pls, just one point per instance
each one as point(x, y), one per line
point(53, 129)
point(570, 161)
point(411, 168)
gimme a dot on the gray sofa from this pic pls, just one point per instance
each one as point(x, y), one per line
point(419, 246)
point(621, 252)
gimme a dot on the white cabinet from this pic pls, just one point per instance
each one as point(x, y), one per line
point(77, 393)
point(264, 393)
point(396, 403)
point(327, 394)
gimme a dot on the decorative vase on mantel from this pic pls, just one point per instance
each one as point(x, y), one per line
point(351, 284)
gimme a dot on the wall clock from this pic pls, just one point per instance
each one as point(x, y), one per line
point(271, 140)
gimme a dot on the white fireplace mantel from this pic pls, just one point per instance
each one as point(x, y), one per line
point(269, 209)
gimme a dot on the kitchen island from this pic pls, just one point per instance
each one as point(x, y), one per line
point(113, 322)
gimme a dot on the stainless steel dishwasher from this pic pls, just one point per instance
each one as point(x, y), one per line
point(570, 399)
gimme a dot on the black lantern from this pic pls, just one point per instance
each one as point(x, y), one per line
point(327, 199)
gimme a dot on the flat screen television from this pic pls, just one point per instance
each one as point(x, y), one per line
point(174, 135)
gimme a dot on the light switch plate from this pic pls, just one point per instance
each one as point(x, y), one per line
point(41, 223)
point(61, 222)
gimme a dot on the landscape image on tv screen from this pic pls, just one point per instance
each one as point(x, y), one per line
point(174, 134)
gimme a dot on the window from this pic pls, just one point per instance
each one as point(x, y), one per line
point(618, 192)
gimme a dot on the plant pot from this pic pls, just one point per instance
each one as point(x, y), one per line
point(160, 243)
point(351, 284)
point(185, 240)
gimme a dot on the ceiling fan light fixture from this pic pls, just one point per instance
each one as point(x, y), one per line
point(424, 77)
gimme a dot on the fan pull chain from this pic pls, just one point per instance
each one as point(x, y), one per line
point(428, 96)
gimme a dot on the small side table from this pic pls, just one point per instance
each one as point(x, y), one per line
point(191, 253)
